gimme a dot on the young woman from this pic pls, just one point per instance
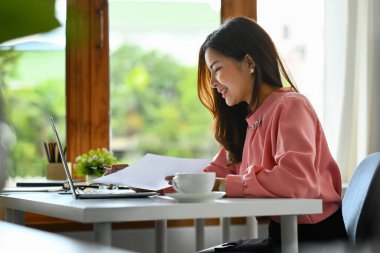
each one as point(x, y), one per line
point(273, 145)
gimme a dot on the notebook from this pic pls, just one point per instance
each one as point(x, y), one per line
point(93, 193)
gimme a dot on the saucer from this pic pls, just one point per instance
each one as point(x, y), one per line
point(193, 197)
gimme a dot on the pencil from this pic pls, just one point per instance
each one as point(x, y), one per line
point(47, 152)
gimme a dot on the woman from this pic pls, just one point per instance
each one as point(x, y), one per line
point(273, 145)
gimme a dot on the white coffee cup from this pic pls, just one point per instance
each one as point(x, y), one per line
point(194, 183)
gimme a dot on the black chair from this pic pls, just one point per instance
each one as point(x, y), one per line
point(361, 212)
point(361, 202)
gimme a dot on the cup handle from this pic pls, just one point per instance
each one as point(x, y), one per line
point(174, 184)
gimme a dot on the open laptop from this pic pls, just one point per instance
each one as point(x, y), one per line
point(94, 193)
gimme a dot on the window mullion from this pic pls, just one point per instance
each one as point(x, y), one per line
point(87, 76)
point(231, 8)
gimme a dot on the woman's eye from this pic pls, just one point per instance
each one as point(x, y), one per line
point(217, 69)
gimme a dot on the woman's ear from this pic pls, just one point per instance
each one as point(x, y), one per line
point(251, 63)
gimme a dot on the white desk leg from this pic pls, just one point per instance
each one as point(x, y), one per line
point(161, 236)
point(199, 234)
point(289, 234)
point(226, 229)
point(252, 228)
point(103, 233)
point(14, 216)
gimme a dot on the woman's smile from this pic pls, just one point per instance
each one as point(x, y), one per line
point(223, 91)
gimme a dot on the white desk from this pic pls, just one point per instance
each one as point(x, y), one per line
point(15, 238)
point(102, 213)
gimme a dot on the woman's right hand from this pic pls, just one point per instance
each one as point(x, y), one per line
point(114, 168)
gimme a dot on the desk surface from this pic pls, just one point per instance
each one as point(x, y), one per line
point(33, 240)
point(155, 208)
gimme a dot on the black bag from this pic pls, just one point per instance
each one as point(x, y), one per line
point(253, 245)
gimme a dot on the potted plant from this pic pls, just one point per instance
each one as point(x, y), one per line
point(91, 163)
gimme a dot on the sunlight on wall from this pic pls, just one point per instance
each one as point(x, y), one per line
point(296, 26)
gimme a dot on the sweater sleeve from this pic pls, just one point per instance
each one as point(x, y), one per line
point(290, 144)
point(219, 165)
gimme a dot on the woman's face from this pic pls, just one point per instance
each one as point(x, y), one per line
point(230, 77)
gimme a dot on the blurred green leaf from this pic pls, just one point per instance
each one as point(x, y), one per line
point(19, 18)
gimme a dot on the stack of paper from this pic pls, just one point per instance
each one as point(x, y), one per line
point(150, 171)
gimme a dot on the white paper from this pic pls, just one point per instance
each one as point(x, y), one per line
point(150, 171)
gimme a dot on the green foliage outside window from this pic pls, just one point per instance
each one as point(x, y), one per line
point(154, 106)
point(154, 98)
point(28, 108)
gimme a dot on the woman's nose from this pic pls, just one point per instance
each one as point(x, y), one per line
point(213, 83)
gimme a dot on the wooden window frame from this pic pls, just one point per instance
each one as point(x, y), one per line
point(87, 76)
point(233, 8)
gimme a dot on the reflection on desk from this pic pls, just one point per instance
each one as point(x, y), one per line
point(16, 238)
point(32, 189)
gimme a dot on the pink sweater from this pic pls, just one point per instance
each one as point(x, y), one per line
point(285, 156)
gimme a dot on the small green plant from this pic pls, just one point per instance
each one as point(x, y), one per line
point(92, 162)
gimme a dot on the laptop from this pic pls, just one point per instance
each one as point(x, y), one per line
point(94, 193)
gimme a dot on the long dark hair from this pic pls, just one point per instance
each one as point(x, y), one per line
point(236, 38)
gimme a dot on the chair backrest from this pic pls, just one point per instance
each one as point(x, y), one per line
point(361, 201)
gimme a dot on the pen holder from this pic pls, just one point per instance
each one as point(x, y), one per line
point(55, 171)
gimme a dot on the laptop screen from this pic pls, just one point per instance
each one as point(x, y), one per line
point(63, 158)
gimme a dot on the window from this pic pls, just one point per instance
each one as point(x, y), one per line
point(33, 82)
point(87, 111)
point(87, 69)
point(153, 62)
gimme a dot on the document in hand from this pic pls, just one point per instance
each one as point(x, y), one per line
point(150, 171)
